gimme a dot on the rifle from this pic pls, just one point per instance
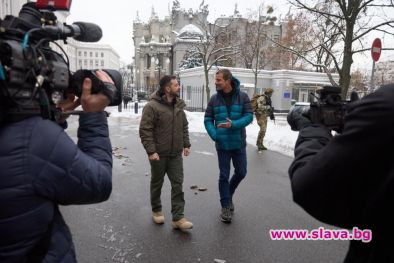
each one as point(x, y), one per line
point(271, 110)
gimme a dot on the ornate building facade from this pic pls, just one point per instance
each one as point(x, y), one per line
point(161, 44)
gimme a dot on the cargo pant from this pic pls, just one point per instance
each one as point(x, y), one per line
point(173, 167)
point(262, 122)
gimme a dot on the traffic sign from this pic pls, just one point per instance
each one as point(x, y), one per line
point(376, 49)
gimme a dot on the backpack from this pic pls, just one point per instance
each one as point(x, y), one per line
point(253, 101)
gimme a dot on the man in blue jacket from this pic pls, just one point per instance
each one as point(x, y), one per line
point(41, 168)
point(228, 112)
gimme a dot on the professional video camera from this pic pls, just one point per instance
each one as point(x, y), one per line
point(33, 77)
point(329, 109)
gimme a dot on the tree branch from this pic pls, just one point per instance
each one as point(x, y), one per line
point(332, 81)
point(367, 49)
point(373, 28)
point(303, 6)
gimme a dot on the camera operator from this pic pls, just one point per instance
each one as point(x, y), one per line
point(348, 180)
point(41, 168)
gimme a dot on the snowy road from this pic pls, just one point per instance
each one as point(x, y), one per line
point(121, 229)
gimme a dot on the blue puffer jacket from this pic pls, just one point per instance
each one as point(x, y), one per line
point(240, 113)
point(42, 167)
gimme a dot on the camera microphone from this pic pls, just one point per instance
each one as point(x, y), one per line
point(81, 31)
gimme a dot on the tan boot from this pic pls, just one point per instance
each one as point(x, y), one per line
point(182, 224)
point(158, 217)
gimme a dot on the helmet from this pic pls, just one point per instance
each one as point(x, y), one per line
point(268, 91)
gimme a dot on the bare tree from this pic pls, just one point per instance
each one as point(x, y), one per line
point(352, 20)
point(214, 47)
point(256, 50)
point(297, 36)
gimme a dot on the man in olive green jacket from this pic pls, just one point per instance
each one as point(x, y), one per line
point(164, 133)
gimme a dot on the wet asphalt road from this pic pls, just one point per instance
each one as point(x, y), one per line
point(121, 229)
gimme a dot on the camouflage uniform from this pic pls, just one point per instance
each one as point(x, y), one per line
point(262, 112)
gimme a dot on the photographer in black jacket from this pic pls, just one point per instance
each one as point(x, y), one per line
point(348, 180)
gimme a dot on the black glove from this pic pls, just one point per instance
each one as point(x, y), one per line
point(298, 117)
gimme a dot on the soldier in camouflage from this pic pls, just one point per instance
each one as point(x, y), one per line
point(263, 110)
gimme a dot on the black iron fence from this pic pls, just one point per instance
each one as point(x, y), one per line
point(193, 96)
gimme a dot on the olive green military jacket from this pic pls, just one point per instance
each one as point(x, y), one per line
point(164, 128)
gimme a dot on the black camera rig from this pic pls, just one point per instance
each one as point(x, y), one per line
point(34, 77)
point(329, 108)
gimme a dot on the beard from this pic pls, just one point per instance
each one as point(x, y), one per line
point(175, 94)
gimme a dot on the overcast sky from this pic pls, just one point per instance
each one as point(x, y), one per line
point(115, 17)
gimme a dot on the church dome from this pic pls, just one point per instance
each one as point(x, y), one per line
point(190, 31)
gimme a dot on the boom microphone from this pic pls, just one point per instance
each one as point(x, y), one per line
point(81, 31)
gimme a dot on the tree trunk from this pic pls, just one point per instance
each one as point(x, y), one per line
point(344, 76)
point(256, 71)
point(255, 82)
point(207, 89)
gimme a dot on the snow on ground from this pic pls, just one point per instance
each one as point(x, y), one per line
point(279, 137)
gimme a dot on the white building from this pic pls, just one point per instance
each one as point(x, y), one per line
point(87, 55)
point(161, 44)
point(288, 85)
point(384, 72)
point(96, 56)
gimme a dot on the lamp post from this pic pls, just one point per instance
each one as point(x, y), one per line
point(135, 84)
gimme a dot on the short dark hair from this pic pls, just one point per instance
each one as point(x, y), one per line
point(165, 81)
point(226, 73)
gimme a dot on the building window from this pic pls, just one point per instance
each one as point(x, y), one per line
point(79, 53)
point(102, 63)
point(91, 54)
point(80, 62)
point(96, 63)
point(85, 54)
point(85, 62)
point(91, 63)
point(102, 54)
point(96, 54)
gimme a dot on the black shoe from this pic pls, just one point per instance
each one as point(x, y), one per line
point(226, 215)
point(231, 207)
point(262, 148)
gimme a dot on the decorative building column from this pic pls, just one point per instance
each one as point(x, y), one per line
point(152, 78)
point(142, 69)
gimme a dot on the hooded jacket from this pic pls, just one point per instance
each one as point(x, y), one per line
point(164, 128)
point(239, 112)
point(41, 167)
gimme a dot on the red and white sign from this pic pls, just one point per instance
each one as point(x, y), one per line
point(54, 4)
point(376, 49)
